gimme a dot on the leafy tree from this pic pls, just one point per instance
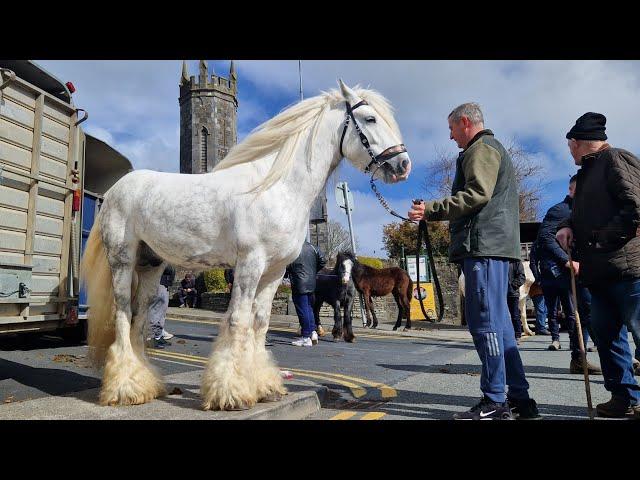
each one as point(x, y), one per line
point(404, 234)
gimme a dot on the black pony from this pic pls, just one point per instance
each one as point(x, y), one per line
point(337, 289)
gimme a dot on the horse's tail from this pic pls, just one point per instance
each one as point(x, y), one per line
point(95, 273)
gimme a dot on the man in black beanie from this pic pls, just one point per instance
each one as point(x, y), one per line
point(605, 222)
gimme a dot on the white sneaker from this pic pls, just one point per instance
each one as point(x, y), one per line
point(166, 335)
point(302, 342)
point(314, 338)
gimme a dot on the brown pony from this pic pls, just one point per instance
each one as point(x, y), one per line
point(377, 282)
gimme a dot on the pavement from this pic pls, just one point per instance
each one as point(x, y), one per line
point(183, 401)
point(429, 372)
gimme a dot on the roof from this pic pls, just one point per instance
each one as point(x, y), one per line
point(104, 165)
point(39, 77)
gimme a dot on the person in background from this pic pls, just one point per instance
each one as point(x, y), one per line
point(556, 282)
point(302, 273)
point(188, 293)
point(158, 310)
point(536, 295)
point(605, 223)
point(516, 280)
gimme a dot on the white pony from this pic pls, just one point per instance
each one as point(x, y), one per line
point(524, 292)
point(251, 212)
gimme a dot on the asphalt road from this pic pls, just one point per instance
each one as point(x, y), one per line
point(379, 377)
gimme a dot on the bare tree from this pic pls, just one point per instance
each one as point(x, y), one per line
point(528, 170)
point(338, 239)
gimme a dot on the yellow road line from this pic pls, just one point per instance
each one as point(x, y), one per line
point(356, 390)
point(184, 356)
point(173, 361)
point(373, 416)
point(385, 390)
point(343, 416)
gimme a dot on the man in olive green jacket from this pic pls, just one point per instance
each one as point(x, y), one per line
point(483, 219)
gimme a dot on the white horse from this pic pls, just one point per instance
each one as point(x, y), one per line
point(524, 292)
point(251, 212)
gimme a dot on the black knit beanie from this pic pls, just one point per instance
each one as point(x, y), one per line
point(589, 126)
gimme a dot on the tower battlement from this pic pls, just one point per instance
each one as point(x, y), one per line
point(208, 118)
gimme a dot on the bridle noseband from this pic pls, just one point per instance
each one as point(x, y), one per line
point(380, 159)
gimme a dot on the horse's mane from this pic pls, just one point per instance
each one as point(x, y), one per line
point(283, 133)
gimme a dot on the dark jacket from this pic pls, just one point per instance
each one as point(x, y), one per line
point(516, 278)
point(483, 209)
point(605, 216)
point(302, 271)
point(184, 284)
point(168, 276)
point(550, 255)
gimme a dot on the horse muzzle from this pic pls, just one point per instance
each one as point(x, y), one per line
point(397, 170)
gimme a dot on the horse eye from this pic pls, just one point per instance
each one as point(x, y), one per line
point(370, 119)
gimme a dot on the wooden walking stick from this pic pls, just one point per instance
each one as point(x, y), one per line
point(583, 353)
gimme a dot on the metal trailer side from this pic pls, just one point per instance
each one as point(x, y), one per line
point(40, 146)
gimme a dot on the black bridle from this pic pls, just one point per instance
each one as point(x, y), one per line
point(379, 160)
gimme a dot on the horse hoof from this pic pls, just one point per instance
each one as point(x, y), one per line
point(395, 328)
point(406, 329)
point(350, 339)
point(238, 408)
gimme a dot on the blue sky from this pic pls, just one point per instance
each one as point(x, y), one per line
point(133, 105)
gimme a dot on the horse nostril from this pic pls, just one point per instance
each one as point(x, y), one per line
point(405, 162)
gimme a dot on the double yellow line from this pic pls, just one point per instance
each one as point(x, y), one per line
point(284, 329)
point(356, 385)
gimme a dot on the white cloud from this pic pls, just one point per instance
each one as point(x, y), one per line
point(133, 105)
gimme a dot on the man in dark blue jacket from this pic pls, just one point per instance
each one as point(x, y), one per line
point(535, 293)
point(555, 277)
point(302, 273)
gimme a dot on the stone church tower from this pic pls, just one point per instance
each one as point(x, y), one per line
point(208, 130)
point(208, 118)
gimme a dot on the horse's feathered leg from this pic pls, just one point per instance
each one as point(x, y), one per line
point(268, 380)
point(127, 379)
point(228, 380)
point(147, 297)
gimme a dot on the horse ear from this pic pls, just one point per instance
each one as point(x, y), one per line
point(348, 94)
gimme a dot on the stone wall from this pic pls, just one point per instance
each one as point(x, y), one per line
point(448, 277)
point(385, 307)
point(219, 302)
